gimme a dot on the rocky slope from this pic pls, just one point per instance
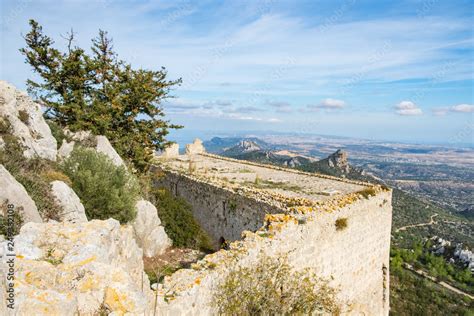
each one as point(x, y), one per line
point(74, 266)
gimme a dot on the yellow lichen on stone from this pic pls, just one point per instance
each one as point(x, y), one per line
point(86, 261)
point(117, 302)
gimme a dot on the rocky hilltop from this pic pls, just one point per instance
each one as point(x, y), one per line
point(63, 263)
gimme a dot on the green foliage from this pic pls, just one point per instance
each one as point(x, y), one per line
point(17, 223)
point(23, 116)
point(272, 287)
point(29, 172)
point(104, 189)
point(178, 220)
point(58, 132)
point(419, 256)
point(411, 294)
point(100, 93)
point(368, 192)
point(341, 223)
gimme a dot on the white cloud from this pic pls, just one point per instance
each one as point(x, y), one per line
point(463, 108)
point(408, 108)
point(330, 104)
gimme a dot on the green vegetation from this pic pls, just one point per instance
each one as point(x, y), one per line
point(51, 258)
point(29, 172)
point(23, 116)
point(177, 218)
point(420, 257)
point(58, 132)
point(272, 287)
point(411, 294)
point(100, 93)
point(368, 192)
point(341, 223)
point(17, 222)
point(105, 189)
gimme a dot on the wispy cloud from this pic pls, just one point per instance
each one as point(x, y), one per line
point(463, 108)
point(408, 108)
point(328, 104)
point(459, 108)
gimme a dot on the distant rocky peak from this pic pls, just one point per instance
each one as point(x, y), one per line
point(248, 146)
point(339, 160)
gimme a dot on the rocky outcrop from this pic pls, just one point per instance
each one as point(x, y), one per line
point(150, 235)
point(172, 151)
point(248, 146)
point(85, 138)
point(27, 122)
point(73, 210)
point(79, 269)
point(66, 149)
point(339, 161)
point(104, 146)
point(12, 192)
point(195, 148)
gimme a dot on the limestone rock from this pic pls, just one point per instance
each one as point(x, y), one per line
point(104, 146)
point(66, 149)
point(339, 161)
point(75, 269)
point(172, 151)
point(195, 148)
point(27, 122)
point(12, 192)
point(150, 235)
point(73, 210)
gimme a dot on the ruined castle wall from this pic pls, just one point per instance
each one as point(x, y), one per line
point(354, 259)
point(221, 212)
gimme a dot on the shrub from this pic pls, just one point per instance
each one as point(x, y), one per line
point(29, 172)
point(17, 222)
point(58, 132)
point(53, 175)
point(178, 220)
point(24, 116)
point(272, 287)
point(341, 223)
point(104, 189)
point(368, 192)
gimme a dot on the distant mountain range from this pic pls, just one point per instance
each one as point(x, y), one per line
point(254, 149)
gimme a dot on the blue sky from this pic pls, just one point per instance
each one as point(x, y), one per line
point(390, 70)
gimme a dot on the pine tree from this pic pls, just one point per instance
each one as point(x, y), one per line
point(101, 93)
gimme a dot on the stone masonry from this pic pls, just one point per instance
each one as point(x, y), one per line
point(279, 211)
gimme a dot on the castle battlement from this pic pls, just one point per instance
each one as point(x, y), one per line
point(278, 211)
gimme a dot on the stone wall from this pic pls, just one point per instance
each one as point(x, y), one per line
point(221, 212)
point(354, 259)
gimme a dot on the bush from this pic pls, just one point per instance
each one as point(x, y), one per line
point(17, 222)
point(58, 132)
point(29, 172)
point(341, 223)
point(178, 220)
point(24, 116)
point(53, 175)
point(104, 189)
point(272, 287)
point(368, 192)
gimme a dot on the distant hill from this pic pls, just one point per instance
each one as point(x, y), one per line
point(218, 145)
